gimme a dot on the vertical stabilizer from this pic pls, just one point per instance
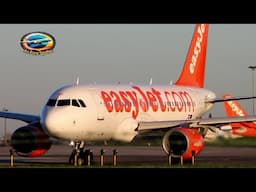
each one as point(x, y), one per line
point(193, 72)
point(233, 108)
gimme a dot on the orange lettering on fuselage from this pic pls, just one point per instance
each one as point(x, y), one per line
point(137, 99)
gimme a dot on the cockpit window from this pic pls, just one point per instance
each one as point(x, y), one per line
point(75, 103)
point(81, 103)
point(63, 102)
point(51, 102)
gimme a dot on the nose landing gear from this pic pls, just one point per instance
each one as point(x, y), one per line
point(80, 155)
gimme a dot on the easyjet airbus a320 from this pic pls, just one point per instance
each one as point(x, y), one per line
point(82, 113)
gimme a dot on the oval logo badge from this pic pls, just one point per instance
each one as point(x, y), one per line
point(38, 43)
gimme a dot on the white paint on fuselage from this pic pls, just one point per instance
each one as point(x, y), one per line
point(95, 122)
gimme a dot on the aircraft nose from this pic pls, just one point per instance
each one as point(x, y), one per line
point(53, 123)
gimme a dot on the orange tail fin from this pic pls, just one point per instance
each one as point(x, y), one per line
point(233, 108)
point(193, 72)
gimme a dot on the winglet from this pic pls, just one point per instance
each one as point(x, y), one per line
point(193, 72)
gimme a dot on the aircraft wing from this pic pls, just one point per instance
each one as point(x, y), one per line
point(28, 118)
point(216, 100)
point(216, 122)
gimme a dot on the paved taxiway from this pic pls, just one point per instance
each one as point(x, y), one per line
point(136, 155)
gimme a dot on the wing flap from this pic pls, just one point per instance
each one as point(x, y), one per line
point(217, 100)
point(217, 122)
point(149, 125)
point(226, 120)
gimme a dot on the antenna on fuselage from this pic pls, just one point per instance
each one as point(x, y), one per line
point(150, 81)
point(77, 80)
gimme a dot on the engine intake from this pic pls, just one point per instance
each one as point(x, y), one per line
point(184, 142)
point(30, 141)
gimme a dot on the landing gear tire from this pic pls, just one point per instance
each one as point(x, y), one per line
point(82, 157)
point(80, 161)
point(87, 153)
point(71, 159)
point(175, 160)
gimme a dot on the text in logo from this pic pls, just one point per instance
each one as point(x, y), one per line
point(197, 48)
point(236, 109)
point(137, 100)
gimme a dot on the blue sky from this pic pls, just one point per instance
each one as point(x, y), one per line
point(111, 53)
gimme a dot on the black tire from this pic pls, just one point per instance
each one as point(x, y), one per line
point(85, 156)
point(71, 159)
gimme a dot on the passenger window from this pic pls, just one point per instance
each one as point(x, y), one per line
point(81, 103)
point(75, 103)
point(63, 102)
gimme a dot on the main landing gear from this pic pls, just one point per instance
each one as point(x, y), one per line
point(79, 155)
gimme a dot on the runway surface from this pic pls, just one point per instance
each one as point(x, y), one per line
point(136, 155)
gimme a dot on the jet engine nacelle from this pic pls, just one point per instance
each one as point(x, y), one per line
point(184, 142)
point(30, 141)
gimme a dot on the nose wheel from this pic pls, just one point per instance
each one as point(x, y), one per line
point(80, 155)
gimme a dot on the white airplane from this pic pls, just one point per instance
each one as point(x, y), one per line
point(82, 113)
